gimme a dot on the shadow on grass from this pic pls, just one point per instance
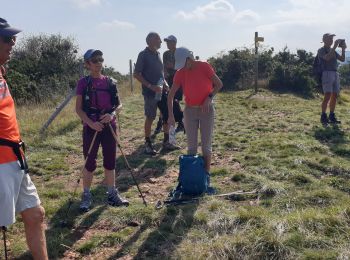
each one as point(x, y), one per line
point(334, 138)
point(61, 238)
point(162, 242)
point(143, 168)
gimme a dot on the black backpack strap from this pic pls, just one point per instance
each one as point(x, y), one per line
point(16, 147)
point(87, 96)
point(113, 91)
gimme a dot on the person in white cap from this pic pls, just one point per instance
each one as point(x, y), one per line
point(200, 84)
point(330, 77)
point(17, 192)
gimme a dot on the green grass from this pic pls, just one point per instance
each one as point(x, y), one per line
point(269, 142)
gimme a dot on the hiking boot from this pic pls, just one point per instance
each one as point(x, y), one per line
point(115, 199)
point(149, 149)
point(158, 127)
point(170, 147)
point(86, 201)
point(333, 119)
point(180, 127)
point(324, 119)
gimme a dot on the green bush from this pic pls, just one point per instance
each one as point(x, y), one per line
point(293, 72)
point(236, 68)
point(344, 72)
point(46, 66)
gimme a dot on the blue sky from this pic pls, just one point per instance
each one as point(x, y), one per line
point(208, 27)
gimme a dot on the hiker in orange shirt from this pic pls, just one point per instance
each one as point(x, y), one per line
point(17, 192)
point(199, 83)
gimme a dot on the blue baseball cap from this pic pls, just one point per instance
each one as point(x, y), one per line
point(6, 29)
point(91, 52)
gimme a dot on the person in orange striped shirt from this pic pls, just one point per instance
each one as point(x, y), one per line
point(17, 192)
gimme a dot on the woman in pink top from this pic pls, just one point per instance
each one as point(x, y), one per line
point(200, 84)
point(95, 109)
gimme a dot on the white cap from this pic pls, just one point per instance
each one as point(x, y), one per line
point(181, 54)
point(170, 38)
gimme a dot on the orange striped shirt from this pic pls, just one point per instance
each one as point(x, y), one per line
point(8, 123)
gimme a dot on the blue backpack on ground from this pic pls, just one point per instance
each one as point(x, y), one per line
point(193, 178)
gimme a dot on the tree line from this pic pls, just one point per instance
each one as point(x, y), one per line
point(281, 71)
point(47, 66)
point(44, 67)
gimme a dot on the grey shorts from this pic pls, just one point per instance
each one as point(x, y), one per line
point(330, 82)
point(17, 192)
point(150, 107)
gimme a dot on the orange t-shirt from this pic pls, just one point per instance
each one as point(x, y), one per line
point(196, 83)
point(8, 123)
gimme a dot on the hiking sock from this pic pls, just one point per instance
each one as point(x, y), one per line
point(166, 137)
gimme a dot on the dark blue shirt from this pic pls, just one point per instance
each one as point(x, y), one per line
point(150, 65)
point(332, 64)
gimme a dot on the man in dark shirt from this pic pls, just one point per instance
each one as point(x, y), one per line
point(149, 71)
point(169, 72)
point(330, 77)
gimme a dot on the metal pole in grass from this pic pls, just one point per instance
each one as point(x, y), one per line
point(127, 164)
point(4, 237)
point(64, 221)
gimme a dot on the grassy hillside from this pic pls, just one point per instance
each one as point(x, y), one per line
point(270, 142)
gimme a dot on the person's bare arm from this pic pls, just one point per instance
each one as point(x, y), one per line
point(143, 81)
point(97, 126)
point(342, 57)
point(217, 85)
point(331, 54)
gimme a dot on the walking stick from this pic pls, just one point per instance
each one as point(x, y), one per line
point(127, 163)
point(64, 221)
point(4, 237)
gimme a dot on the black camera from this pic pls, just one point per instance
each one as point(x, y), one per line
point(341, 42)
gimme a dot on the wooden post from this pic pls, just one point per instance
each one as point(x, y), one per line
point(63, 104)
point(131, 76)
point(257, 39)
point(256, 61)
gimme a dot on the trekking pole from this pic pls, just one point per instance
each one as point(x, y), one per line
point(119, 123)
point(127, 163)
point(4, 237)
point(64, 221)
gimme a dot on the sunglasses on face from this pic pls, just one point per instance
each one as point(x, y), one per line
point(96, 60)
point(8, 39)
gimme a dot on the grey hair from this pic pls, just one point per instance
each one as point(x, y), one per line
point(150, 36)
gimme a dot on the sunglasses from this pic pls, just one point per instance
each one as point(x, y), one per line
point(8, 39)
point(97, 60)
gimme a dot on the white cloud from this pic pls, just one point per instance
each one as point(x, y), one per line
point(320, 14)
point(218, 10)
point(86, 3)
point(116, 24)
